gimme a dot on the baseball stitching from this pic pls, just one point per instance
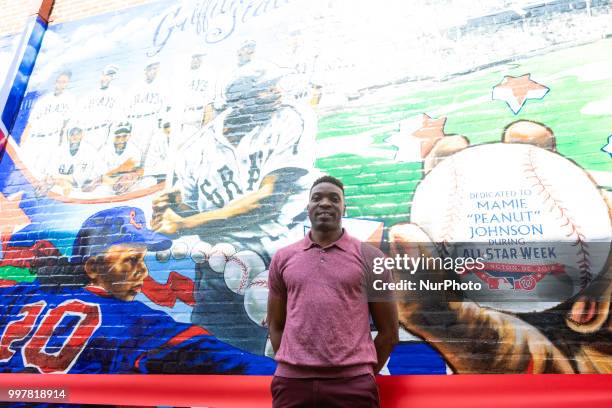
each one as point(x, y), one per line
point(452, 215)
point(259, 282)
point(575, 231)
point(244, 276)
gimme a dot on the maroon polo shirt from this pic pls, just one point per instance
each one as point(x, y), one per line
point(327, 330)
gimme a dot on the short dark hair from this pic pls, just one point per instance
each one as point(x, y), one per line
point(328, 179)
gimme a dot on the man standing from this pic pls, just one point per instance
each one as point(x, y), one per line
point(198, 97)
point(75, 165)
point(147, 104)
point(318, 312)
point(45, 129)
point(100, 108)
point(123, 160)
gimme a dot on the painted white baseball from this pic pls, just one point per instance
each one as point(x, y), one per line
point(162, 256)
point(536, 218)
point(179, 250)
point(219, 254)
point(200, 252)
point(241, 268)
point(256, 299)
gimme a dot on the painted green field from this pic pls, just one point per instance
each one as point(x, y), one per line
point(578, 108)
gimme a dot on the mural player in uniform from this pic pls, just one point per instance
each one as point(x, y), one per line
point(243, 184)
point(122, 160)
point(318, 312)
point(147, 103)
point(45, 129)
point(100, 108)
point(97, 326)
point(75, 166)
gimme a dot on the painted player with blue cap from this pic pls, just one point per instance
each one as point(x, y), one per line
point(79, 316)
point(111, 245)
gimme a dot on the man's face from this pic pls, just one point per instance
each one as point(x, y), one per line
point(123, 271)
point(75, 137)
point(245, 54)
point(196, 62)
point(325, 207)
point(105, 80)
point(61, 83)
point(121, 140)
point(151, 72)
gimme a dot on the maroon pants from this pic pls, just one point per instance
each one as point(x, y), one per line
point(353, 392)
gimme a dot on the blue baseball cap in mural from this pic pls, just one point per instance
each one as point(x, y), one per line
point(115, 226)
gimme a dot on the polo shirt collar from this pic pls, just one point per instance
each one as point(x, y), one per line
point(342, 242)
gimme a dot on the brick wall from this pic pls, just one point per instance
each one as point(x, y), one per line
point(377, 96)
point(70, 10)
point(15, 13)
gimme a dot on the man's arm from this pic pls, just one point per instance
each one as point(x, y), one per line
point(128, 166)
point(384, 315)
point(254, 208)
point(277, 314)
point(277, 303)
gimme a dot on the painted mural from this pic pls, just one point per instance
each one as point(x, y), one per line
point(195, 129)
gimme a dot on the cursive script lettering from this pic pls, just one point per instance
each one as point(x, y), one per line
point(214, 20)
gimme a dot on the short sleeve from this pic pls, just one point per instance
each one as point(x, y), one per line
point(276, 285)
point(377, 274)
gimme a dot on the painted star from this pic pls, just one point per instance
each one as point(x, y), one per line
point(608, 147)
point(516, 90)
point(416, 137)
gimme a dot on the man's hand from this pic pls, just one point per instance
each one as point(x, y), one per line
point(125, 182)
point(169, 222)
point(64, 183)
point(42, 187)
point(165, 201)
point(384, 316)
point(91, 185)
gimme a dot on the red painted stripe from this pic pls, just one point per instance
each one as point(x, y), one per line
point(6, 283)
point(176, 287)
point(179, 338)
point(186, 335)
point(423, 391)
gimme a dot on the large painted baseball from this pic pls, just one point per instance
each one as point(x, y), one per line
point(538, 221)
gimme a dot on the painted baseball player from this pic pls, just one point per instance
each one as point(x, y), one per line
point(198, 97)
point(247, 65)
point(75, 164)
point(156, 161)
point(45, 129)
point(242, 185)
point(79, 316)
point(147, 104)
point(122, 160)
point(299, 82)
point(100, 108)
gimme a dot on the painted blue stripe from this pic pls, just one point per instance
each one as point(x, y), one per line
point(415, 358)
point(20, 83)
